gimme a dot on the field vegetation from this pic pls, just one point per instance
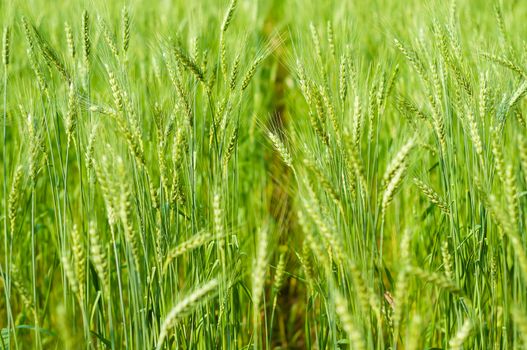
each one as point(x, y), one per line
point(279, 174)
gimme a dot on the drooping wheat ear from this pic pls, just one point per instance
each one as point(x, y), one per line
point(281, 148)
point(72, 278)
point(331, 39)
point(343, 79)
point(35, 150)
point(372, 110)
point(230, 148)
point(28, 34)
point(234, 73)
point(223, 116)
point(437, 279)
point(408, 107)
point(279, 275)
point(79, 256)
point(69, 39)
point(159, 239)
point(519, 117)
point(154, 195)
point(303, 82)
point(398, 161)
point(224, 26)
point(98, 256)
point(125, 29)
point(51, 57)
point(517, 95)
point(179, 148)
point(25, 294)
point(446, 39)
point(14, 198)
point(194, 50)
point(6, 38)
point(499, 162)
point(228, 16)
point(438, 122)
point(354, 165)
point(109, 38)
point(317, 113)
point(432, 195)
point(316, 42)
point(505, 62)
point(163, 167)
point(187, 246)
point(136, 142)
point(90, 148)
point(71, 115)
point(329, 188)
point(414, 60)
point(36, 70)
point(174, 74)
point(393, 185)
point(259, 272)
point(187, 304)
point(501, 26)
point(86, 42)
point(129, 128)
point(250, 73)
point(382, 92)
point(437, 86)
point(357, 123)
point(328, 104)
point(483, 95)
point(188, 63)
point(307, 266)
point(108, 189)
point(457, 341)
point(392, 81)
point(353, 332)
point(520, 321)
point(447, 261)
point(32, 55)
point(474, 135)
point(217, 213)
point(318, 50)
point(116, 91)
point(318, 101)
point(325, 227)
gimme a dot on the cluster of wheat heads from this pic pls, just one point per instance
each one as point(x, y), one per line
point(266, 174)
point(124, 213)
point(410, 173)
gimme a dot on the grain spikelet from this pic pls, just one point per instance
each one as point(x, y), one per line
point(14, 198)
point(187, 304)
point(187, 246)
point(456, 342)
point(432, 195)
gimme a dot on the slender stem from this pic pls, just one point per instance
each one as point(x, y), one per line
point(7, 280)
point(33, 266)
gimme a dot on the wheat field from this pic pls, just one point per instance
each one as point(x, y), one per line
point(265, 174)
